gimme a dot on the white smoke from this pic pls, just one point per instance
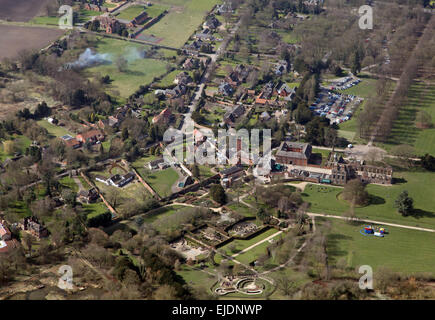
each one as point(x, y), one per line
point(132, 53)
point(89, 59)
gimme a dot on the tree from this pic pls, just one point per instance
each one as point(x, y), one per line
point(404, 204)
point(69, 197)
point(428, 162)
point(217, 193)
point(262, 215)
point(354, 192)
point(121, 64)
point(356, 63)
point(423, 119)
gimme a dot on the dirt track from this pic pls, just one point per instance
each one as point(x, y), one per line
point(13, 39)
point(21, 10)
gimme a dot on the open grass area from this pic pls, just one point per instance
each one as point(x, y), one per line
point(94, 209)
point(161, 181)
point(54, 130)
point(197, 279)
point(69, 183)
point(20, 144)
point(400, 250)
point(52, 20)
point(184, 17)
point(420, 186)
point(139, 71)
point(238, 245)
point(86, 15)
point(365, 89)
point(421, 97)
point(253, 254)
point(131, 12)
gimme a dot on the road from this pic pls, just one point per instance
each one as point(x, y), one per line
point(200, 88)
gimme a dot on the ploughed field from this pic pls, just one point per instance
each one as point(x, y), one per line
point(13, 39)
point(21, 10)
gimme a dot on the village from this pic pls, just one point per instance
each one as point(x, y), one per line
point(89, 179)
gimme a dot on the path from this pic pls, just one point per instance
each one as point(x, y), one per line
point(311, 214)
point(257, 244)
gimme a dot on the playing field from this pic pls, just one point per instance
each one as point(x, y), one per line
point(184, 17)
point(420, 186)
point(131, 12)
point(139, 71)
point(400, 250)
point(421, 97)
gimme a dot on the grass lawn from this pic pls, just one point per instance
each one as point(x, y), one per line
point(139, 71)
point(161, 181)
point(420, 97)
point(54, 130)
point(21, 143)
point(86, 15)
point(155, 216)
point(156, 9)
point(197, 279)
point(53, 20)
point(238, 245)
point(181, 21)
point(401, 250)
point(365, 89)
point(131, 12)
point(95, 209)
point(69, 183)
point(420, 186)
point(252, 254)
point(242, 209)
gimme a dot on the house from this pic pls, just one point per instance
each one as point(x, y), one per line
point(226, 7)
point(5, 233)
point(163, 117)
point(119, 181)
point(189, 64)
point(285, 91)
point(108, 23)
point(185, 182)
point(225, 89)
point(232, 115)
point(32, 225)
point(211, 23)
point(111, 121)
point(176, 92)
point(141, 18)
point(153, 165)
point(232, 172)
point(95, 7)
point(264, 116)
point(92, 136)
point(89, 196)
point(116, 180)
point(183, 78)
point(71, 142)
point(295, 153)
point(205, 35)
point(281, 67)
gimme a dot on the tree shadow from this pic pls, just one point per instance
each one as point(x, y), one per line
point(399, 180)
point(419, 213)
point(376, 200)
point(333, 240)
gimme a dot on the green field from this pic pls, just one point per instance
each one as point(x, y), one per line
point(400, 250)
point(131, 12)
point(161, 181)
point(21, 143)
point(139, 71)
point(54, 130)
point(238, 245)
point(182, 20)
point(253, 254)
point(420, 97)
point(53, 20)
point(365, 89)
point(419, 185)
